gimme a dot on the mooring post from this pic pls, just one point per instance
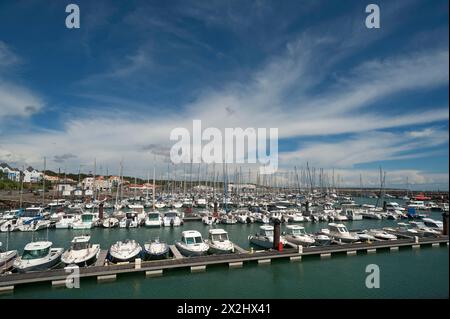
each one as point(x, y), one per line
point(100, 211)
point(276, 233)
point(445, 221)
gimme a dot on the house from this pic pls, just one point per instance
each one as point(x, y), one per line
point(100, 184)
point(11, 173)
point(31, 175)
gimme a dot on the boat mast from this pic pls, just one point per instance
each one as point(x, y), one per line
point(153, 192)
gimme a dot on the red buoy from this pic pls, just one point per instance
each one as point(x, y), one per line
point(280, 246)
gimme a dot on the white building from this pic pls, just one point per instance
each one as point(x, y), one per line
point(31, 175)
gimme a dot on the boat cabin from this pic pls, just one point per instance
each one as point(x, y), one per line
point(296, 230)
point(191, 237)
point(81, 242)
point(35, 250)
point(218, 235)
point(339, 228)
point(266, 230)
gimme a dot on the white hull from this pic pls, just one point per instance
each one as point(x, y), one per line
point(192, 250)
point(45, 263)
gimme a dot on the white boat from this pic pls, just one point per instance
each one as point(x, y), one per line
point(160, 205)
point(425, 231)
point(110, 222)
point(353, 214)
point(297, 235)
point(381, 234)
point(265, 237)
point(365, 236)
point(10, 225)
point(123, 251)
point(172, 219)
point(6, 256)
point(432, 223)
point(35, 225)
point(201, 202)
point(322, 240)
point(261, 218)
point(156, 250)
point(208, 219)
point(340, 233)
point(66, 221)
point(153, 219)
point(86, 221)
point(219, 242)
point(192, 244)
point(131, 220)
point(82, 252)
point(228, 219)
point(177, 204)
point(38, 255)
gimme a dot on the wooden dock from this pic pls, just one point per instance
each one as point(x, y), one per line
point(9, 281)
point(101, 258)
point(175, 252)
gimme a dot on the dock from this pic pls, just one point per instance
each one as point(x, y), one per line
point(200, 263)
point(101, 258)
point(175, 252)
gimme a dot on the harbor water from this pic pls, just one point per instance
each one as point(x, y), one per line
point(407, 273)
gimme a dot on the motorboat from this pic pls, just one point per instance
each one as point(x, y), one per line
point(172, 218)
point(156, 250)
point(265, 238)
point(110, 222)
point(6, 256)
point(365, 236)
point(353, 214)
point(192, 244)
point(340, 233)
point(201, 202)
point(209, 219)
point(160, 205)
point(10, 225)
point(124, 251)
point(153, 219)
point(131, 220)
point(218, 242)
point(425, 231)
point(82, 252)
point(262, 218)
point(381, 234)
point(35, 225)
point(228, 219)
point(322, 240)
point(66, 221)
point(297, 235)
point(86, 221)
point(432, 223)
point(38, 255)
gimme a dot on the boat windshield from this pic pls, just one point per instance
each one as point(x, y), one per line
point(342, 230)
point(171, 215)
point(80, 246)
point(193, 240)
point(86, 218)
point(153, 216)
point(35, 253)
point(268, 233)
point(219, 237)
point(298, 232)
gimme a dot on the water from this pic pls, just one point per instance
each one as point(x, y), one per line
point(421, 273)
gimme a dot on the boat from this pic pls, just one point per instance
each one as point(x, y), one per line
point(172, 219)
point(130, 221)
point(340, 233)
point(35, 225)
point(265, 237)
point(66, 221)
point(381, 234)
point(208, 220)
point(192, 244)
point(353, 214)
point(124, 251)
point(322, 239)
point(86, 221)
point(10, 225)
point(365, 236)
point(156, 250)
point(297, 235)
point(110, 222)
point(82, 252)
point(6, 256)
point(219, 242)
point(153, 219)
point(228, 219)
point(432, 223)
point(38, 255)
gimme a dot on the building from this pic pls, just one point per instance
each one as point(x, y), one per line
point(10, 173)
point(31, 175)
point(100, 184)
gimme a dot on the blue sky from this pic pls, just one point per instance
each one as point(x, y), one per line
point(343, 96)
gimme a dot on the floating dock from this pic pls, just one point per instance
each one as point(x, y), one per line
point(236, 260)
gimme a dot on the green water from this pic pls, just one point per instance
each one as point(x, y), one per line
point(421, 273)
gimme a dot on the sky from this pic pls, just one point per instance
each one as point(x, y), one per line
point(342, 96)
